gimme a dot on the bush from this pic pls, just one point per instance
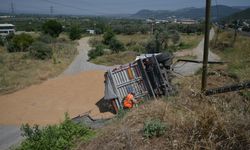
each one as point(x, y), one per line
point(137, 48)
point(98, 51)
point(153, 128)
point(116, 45)
point(1, 41)
point(75, 33)
point(40, 50)
point(52, 137)
point(108, 36)
point(52, 27)
point(46, 38)
point(20, 43)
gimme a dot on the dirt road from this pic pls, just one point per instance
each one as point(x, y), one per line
point(186, 68)
point(81, 63)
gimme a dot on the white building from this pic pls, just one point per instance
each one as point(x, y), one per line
point(91, 31)
point(6, 29)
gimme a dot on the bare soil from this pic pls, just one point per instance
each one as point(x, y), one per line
point(46, 103)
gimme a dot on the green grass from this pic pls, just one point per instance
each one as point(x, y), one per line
point(18, 70)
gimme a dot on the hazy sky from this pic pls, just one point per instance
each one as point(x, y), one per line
point(102, 7)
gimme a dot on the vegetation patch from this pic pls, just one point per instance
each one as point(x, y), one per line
point(153, 128)
point(235, 52)
point(116, 58)
point(62, 136)
point(45, 58)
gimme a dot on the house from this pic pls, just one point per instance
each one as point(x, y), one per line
point(90, 31)
point(187, 21)
point(6, 29)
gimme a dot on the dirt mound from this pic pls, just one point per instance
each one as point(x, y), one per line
point(46, 103)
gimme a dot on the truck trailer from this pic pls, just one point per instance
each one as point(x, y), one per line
point(149, 77)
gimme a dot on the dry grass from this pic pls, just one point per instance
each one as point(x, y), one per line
point(193, 122)
point(116, 58)
point(136, 38)
point(190, 41)
point(238, 54)
point(17, 70)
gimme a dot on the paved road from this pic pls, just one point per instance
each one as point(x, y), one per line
point(81, 63)
point(187, 68)
point(9, 135)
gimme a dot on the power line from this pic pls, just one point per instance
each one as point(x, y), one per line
point(64, 5)
point(70, 6)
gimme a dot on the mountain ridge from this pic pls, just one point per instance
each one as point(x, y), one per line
point(219, 11)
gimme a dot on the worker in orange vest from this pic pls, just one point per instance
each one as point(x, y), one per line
point(130, 101)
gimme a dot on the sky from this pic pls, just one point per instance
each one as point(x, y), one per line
point(105, 7)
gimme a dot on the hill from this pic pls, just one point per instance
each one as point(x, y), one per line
point(219, 11)
point(245, 14)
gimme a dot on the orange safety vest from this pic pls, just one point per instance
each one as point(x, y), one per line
point(128, 103)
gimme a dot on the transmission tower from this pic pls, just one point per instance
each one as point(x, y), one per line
point(51, 10)
point(12, 8)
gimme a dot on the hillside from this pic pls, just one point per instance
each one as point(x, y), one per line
point(191, 12)
point(245, 14)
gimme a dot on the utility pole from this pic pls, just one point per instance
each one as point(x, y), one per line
point(51, 10)
point(206, 45)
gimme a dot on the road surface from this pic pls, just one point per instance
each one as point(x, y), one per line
point(81, 63)
point(188, 68)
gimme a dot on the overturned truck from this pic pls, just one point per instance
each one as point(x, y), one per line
point(149, 77)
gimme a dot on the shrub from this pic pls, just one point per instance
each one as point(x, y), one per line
point(20, 43)
point(40, 50)
point(153, 128)
point(75, 33)
point(98, 51)
point(60, 136)
point(138, 48)
point(46, 38)
point(52, 27)
point(116, 45)
point(1, 41)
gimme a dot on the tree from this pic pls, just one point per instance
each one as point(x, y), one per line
point(108, 36)
point(20, 43)
point(52, 27)
point(116, 45)
point(98, 51)
point(75, 33)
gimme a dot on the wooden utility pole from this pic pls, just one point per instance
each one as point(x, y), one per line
point(206, 45)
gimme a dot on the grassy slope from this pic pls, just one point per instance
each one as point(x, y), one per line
point(18, 71)
point(193, 121)
point(238, 54)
